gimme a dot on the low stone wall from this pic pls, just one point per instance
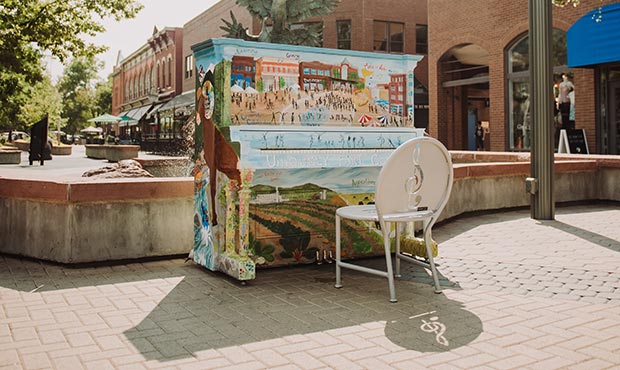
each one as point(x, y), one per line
point(10, 156)
point(105, 220)
point(113, 153)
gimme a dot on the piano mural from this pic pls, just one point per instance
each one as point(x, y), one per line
point(284, 136)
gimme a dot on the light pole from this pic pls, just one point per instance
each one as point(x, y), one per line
point(540, 185)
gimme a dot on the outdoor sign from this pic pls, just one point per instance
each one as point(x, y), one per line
point(573, 141)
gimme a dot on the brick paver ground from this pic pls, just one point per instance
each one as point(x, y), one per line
point(519, 294)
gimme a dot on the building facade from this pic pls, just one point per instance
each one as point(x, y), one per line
point(479, 71)
point(144, 81)
point(391, 26)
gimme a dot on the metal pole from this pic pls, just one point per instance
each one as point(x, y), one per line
point(541, 90)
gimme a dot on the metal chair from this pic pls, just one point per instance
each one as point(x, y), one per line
point(413, 185)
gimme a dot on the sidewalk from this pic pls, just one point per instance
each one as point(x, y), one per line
point(518, 293)
point(61, 167)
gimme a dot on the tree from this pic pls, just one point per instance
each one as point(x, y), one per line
point(77, 88)
point(30, 28)
point(103, 97)
point(282, 14)
point(42, 98)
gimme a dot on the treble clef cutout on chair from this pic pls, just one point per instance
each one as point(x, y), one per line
point(414, 182)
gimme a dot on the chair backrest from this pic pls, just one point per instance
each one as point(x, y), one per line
point(417, 174)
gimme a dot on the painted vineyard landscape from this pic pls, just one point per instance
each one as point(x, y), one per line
point(290, 225)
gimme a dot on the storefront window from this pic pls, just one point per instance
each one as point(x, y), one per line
point(519, 109)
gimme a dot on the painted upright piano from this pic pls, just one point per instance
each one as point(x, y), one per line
point(284, 136)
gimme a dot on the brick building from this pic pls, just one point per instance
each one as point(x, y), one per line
point(243, 71)
point(207, 25)
point(390, 26)
point(478, 70)
point(144, 80)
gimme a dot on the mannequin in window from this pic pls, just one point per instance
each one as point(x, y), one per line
point(566, 86)
point(571, 114)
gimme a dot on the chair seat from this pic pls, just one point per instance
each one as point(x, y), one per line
point(369, 213)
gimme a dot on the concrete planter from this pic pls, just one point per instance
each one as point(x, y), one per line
point(61, 149)
point(95, 151)
point(112, 153)
point(22, 145)
point(115, 153)
point(10, 156)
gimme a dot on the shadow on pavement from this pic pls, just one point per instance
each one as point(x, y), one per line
point(208, 311)
point(586, 235)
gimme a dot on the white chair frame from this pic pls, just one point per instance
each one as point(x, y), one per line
point(414, 185)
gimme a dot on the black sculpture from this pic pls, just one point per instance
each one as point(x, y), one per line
point(40, 147)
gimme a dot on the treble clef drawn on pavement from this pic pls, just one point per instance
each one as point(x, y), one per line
point(433, 326)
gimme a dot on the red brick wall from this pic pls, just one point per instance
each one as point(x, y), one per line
point(494, 25)
point(362, 13)
point(206, 25)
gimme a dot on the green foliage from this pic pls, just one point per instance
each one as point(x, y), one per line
point(221, 113)
point(258, 250)
point(40, 99)
point(282, 14)
point(294, 240)
point(79, 95)
point(28, 29)
point(103, 97)
point(234, 29)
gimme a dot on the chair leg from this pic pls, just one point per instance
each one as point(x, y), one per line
point(388, 260)
point(397, 251)
point(429, 252)
point(338, 277)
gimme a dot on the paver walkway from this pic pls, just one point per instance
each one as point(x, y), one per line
point(519, 294)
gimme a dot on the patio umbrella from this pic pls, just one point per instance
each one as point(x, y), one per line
point(250, 90)
point(382, 119)
point(364, 119)
point(92, 130)
point(106, 118)
point(236, 89)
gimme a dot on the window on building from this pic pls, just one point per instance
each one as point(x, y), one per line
point(169, 71)
point(163, 73)
point(518, 99)
point(141, 85)
point(343, 34)
point(157, 77)
point(388, 36)
point(153, 78)
point(421, 39)
point(189, 66)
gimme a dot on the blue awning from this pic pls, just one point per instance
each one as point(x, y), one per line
point(590, 42)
